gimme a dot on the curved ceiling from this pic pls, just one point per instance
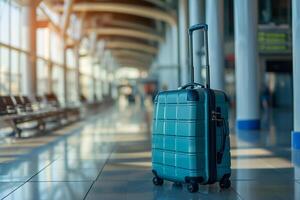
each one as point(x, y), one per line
point(126, 32)
point(132, 29)
point(130, 9)
point(132, 46)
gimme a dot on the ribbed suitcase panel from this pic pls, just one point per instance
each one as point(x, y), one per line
point(179, 135)
point(178, 144)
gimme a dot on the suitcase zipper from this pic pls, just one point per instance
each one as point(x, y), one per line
point(217, 117)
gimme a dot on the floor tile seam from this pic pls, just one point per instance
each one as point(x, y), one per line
point(11, 182)
point(37, 150)
point(73, 132)
point(261, 180)
point(239, 196)
point(85, 196)
point(67, 181)
point(70, 133)
point(27, 180)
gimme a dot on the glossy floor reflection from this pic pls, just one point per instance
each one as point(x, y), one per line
point(108, 157)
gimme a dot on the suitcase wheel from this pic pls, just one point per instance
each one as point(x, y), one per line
point(157, 181)
point(225, 183)
point(192, 187)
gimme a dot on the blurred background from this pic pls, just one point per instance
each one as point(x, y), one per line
point(133, 48)
point(78, 80)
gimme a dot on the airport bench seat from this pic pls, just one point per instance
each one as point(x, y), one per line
point(17, 110)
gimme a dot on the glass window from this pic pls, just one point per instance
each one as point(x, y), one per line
point(72, 86)
point(98, 85)
point(22, 66)
point(70, 58)
point(15, 73)
point(15, 25)
point(86, 65)
point(58, 82)
point(86, 78)
point(4, 71)
point(86, 84)
point(4, 21)
point(43, 42)
point(277, 12)
point(42, 77)
point(56, 48)
point(40, 46)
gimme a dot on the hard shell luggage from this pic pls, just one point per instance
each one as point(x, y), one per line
point(190, 134)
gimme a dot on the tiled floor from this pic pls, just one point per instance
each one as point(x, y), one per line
point(109, 157)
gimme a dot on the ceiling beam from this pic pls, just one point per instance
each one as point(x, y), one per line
point(138, 59)
point(66, 15)
point(52, 23)
point(131, 46)
point(132, 25)
point(42, 24)
point(117, 52)
point(126, 63)
point(160, 4)
point(128, 60)
point(129, 52)
point(126, 32)
point(141, 11)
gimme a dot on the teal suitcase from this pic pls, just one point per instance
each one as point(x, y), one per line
point(190, 134)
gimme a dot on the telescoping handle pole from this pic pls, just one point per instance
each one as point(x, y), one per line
point(204, 28)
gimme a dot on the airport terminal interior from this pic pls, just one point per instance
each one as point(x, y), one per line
point(78, 86)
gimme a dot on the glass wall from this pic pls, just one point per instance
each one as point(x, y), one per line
point(42, 76)
point(98, 82)
point(71, 77)
point(14, 59)
point(50, 63)
point(58, 82)
point(86, 77)
point(10, 48)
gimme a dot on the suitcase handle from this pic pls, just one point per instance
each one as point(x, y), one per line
point(198, 27)
point(191, 85)
point(204, 28)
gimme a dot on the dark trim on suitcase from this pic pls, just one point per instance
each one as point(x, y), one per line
point(193, 179)
point(212, 149)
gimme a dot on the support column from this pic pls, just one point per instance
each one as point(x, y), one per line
point(215, 20)
point(296, 72)
point(197, 16)
point(183, 41)
point(246, 64)
point(29, 72)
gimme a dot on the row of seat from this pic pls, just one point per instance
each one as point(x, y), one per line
point(15, 110)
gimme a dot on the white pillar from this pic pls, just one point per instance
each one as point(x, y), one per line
point(29, 71)
point(214, 20)
point(296, 72)
point(246, 64)
point(197, 16)
point(183, 41)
